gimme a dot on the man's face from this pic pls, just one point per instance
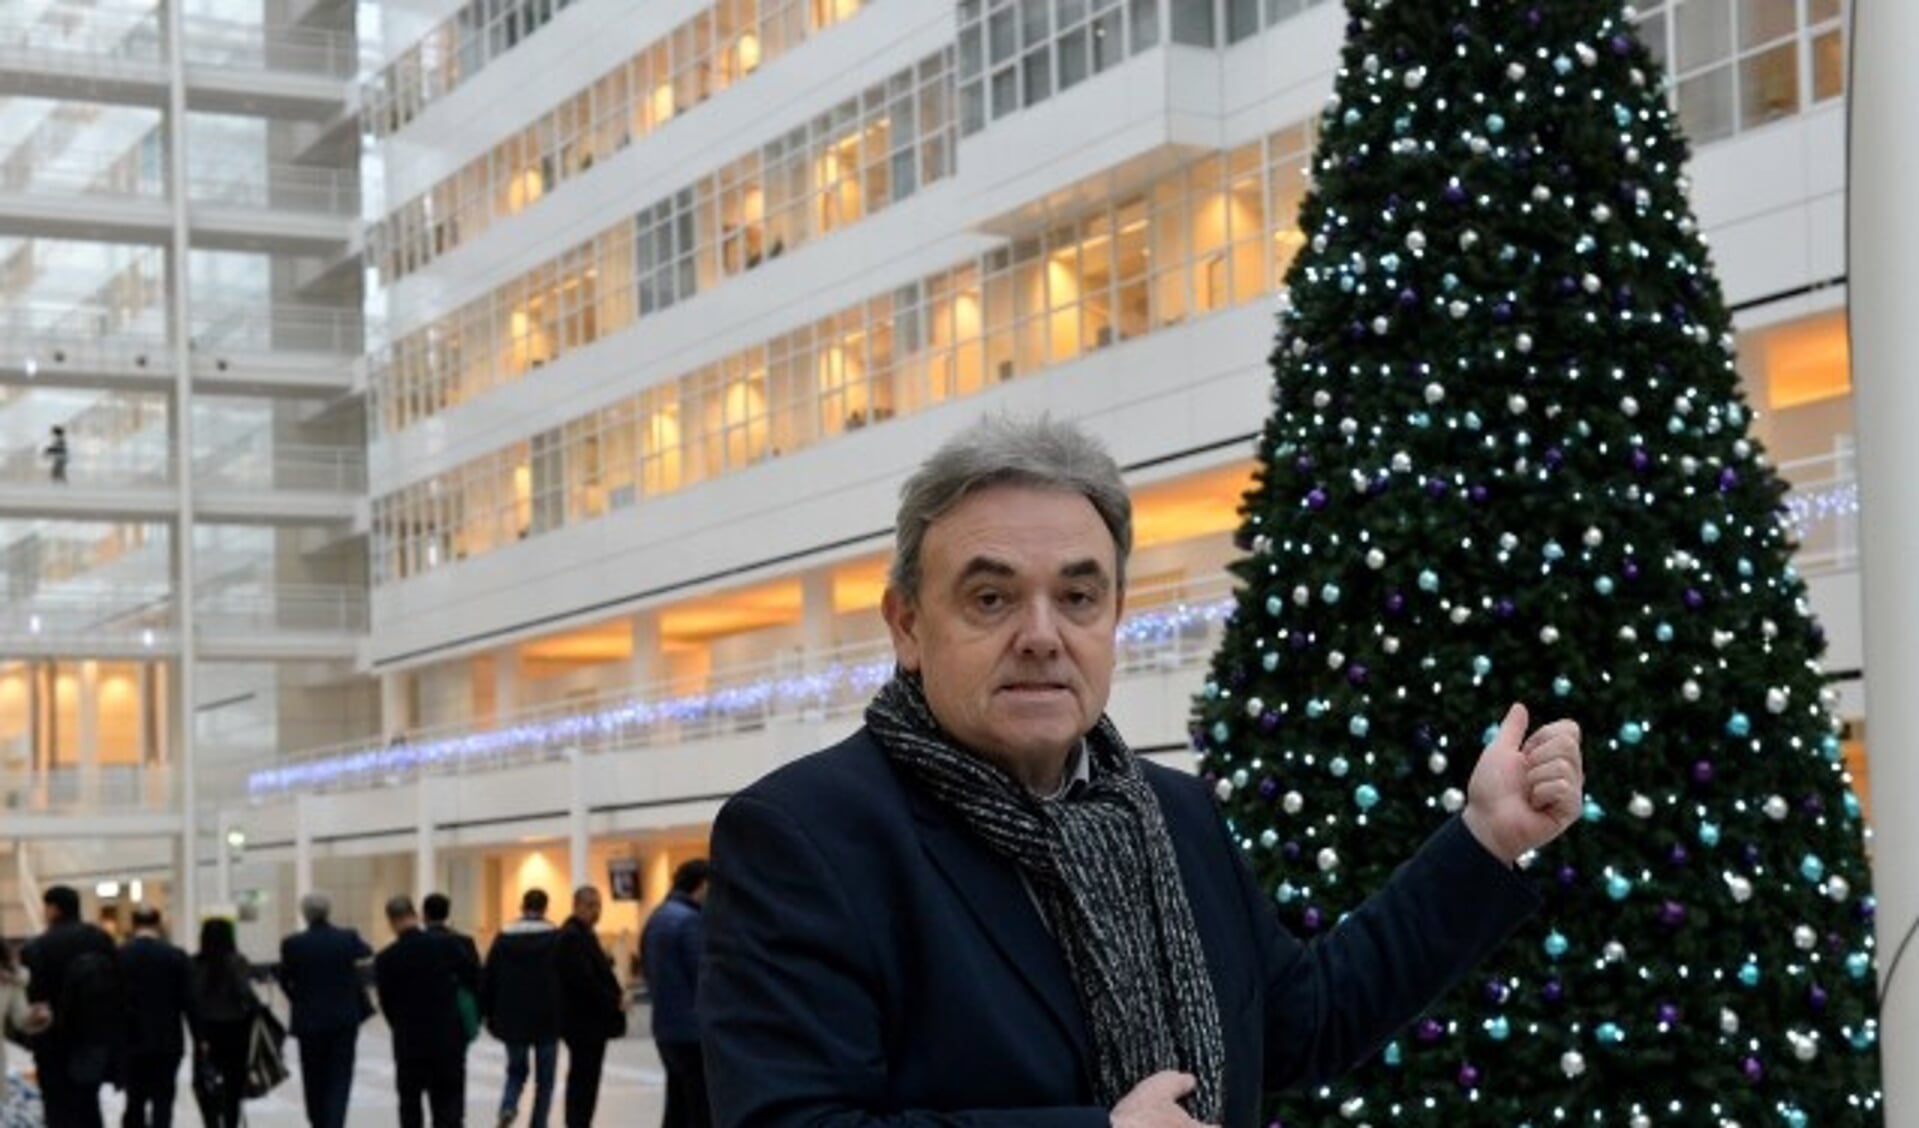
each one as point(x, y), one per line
point(1012, 632)
point(587, 908)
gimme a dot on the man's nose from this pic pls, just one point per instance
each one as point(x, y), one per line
point(1039, 628)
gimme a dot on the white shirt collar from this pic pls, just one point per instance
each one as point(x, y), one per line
point(1079, 773)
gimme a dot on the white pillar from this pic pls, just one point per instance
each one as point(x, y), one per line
point(302, 846)
point(224, 852)
point(424, 877)
point(576, 836)
point(1883, 245)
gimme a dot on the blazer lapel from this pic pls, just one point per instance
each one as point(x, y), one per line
point(998, 900)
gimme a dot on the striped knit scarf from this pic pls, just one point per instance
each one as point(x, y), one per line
point(1101, 867)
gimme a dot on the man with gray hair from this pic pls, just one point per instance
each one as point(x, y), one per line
point(321, 971)
point(984, 908)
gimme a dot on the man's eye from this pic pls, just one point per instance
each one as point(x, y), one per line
point(989, 600)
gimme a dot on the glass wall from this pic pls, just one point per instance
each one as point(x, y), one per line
point(1217, 233)
point(672, 75)
point(699, 58)
point(855, 159)
point(1016, 53)
point(1739, 64)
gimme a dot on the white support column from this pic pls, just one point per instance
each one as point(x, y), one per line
point(576, 836)
point(1883, 282)
point(302, 846)
point(180, 420)
point(224, 871)
point(816, 614)
point(425, 878)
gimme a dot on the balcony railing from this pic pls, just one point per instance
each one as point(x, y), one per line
point(144, 613)
point(76, 790)
point(58, 337)
point(279, 328)
point(296, 188)
point(249, 46)
point(263, 465)
point(104, 40)
point(75, 171)
point(1823, 509)
point(1170, 628)
point(91, 462)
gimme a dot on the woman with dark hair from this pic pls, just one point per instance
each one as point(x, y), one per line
point(225, 1002)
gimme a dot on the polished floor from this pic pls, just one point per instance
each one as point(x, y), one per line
point(632, 1093)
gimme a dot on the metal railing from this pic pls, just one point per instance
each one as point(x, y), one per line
point(1170, 628)
point(90, 462)
point(69, 171)
point(55, 337)
point(144, 613)
point(279, 328)
point(102, 40)
point(297, 188)
point(318, 609)
point(247, 46)
point(258, 463)
point(140, 612)
point(78, 790)
point(1822, 509)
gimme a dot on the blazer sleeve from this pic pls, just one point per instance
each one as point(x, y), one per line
point(1333, 1003)
point(792, 1012)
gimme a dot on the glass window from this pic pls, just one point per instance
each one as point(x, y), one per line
point(1706, 106)
point(1144, 17)
point(1703, 30)
point(1242, 19)
point(1769, 85)
point(1763, 21)
point(1193, 23)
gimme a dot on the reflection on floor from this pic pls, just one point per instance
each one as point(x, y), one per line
point(632, 1092)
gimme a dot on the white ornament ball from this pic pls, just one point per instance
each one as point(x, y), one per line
point(1776, 808)
point(1641, 807)
point(1435, 392)
point(1453, 800)
point(1721, 639)
point(1254, 707)
point(1838, 888)
point(1390, 644)
point(1769, 628)
point(1302, 595)
point(1322, 398)
point(1457, 309)
point(1590, 282)
point(1572, 1063)
point(1523, 342)
point(1804, 938)
point(1614, 951)
point(1593, 536)
point(1515, 72)
point(1549, 634)
point(1739, 887)
point(1415, 78)
point(1416, 241)
point(1335, 659)
point(1629, 406)
point(1689, 690)
point(1516, 404)
point(1293, 803)
point(1776, 701)
point(1601, 213)
point(1375, 559)
point(1468, 239)
point(1436, 763)
point(1328, 860)
point(1480, 146)
point(1508, 541)
point(1349, 426)
point(1223, 789)
point(1639, 1120)
point(1460, 615)
point(1381, 326)
point(1541, 193)
point(1728, 1021)
point(1587, 56)
point(1804, 1046)
point(1402, 462)
point(1351, 1109)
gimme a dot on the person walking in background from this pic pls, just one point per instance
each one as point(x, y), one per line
point(437, 908)
point(592, 1010)
point(418, 978)
point(159, 979)
point(518, 997)
point(74, 974)
point(223, 1007)
point(320, 972)
point(670, 950)
point(56, 453)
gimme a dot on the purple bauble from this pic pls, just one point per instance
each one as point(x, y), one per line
point(1453, 193)
point(1303, 464)
point(1755, 1072)
point(1749, 854)
point(1535, 17)
point(1268, 788)
point(1553, 992)
point(1568, 285)
point(1468, 1076)
point(1630, 569)
point(1678, 855)
point(1702, 771)
point(1553, 458)
point(1316, 499)
point(1502, 312)
point(1395, 603)
point(1357, 331)
point(1478, 494)
point(1622, 297)
point(1290, 851)
point(1268, 723)
point(1816, 998)
point(1672, 914)
point(1357, 673)
point(1622, 44)
point(1568, 875)
point(1695, 599)
point(1641, 461)
point(1430, 1030)
point(1436, 487)
point(1865, 909)
point(1812, 804)
point(1408, 298)
point(1497, 992)
point(1505, 609)
point(1668, 1014)
point(1312, 918)
point(1728, 478)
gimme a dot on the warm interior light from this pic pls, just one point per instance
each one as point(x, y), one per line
point(1805, 361)
point(748, 52)
point(1198, 505)
point(779, 603)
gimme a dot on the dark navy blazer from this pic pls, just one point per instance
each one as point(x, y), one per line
point(319, 968)
point(867, 959)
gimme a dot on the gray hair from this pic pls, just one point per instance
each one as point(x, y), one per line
point(399, 907)
point(1002, 450)
point(315, 908)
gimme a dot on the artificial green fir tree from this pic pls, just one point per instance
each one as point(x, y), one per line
point(1509, 461)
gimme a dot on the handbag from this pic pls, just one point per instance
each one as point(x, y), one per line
point(20, 1105)
point(266, 1054)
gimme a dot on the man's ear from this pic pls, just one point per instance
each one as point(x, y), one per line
point(902, 621)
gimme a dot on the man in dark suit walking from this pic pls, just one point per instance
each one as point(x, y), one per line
point(159, 980)
point(75, 973)
point(984, 903)
point(592, 1010)
point(670, 947)
point(418, 977)
point(519, 997)
point(320, 972)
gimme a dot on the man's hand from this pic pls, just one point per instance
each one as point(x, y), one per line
point(1154, 1103)
point(1524, 795)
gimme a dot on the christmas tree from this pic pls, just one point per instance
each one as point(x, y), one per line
point(1509, 460)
